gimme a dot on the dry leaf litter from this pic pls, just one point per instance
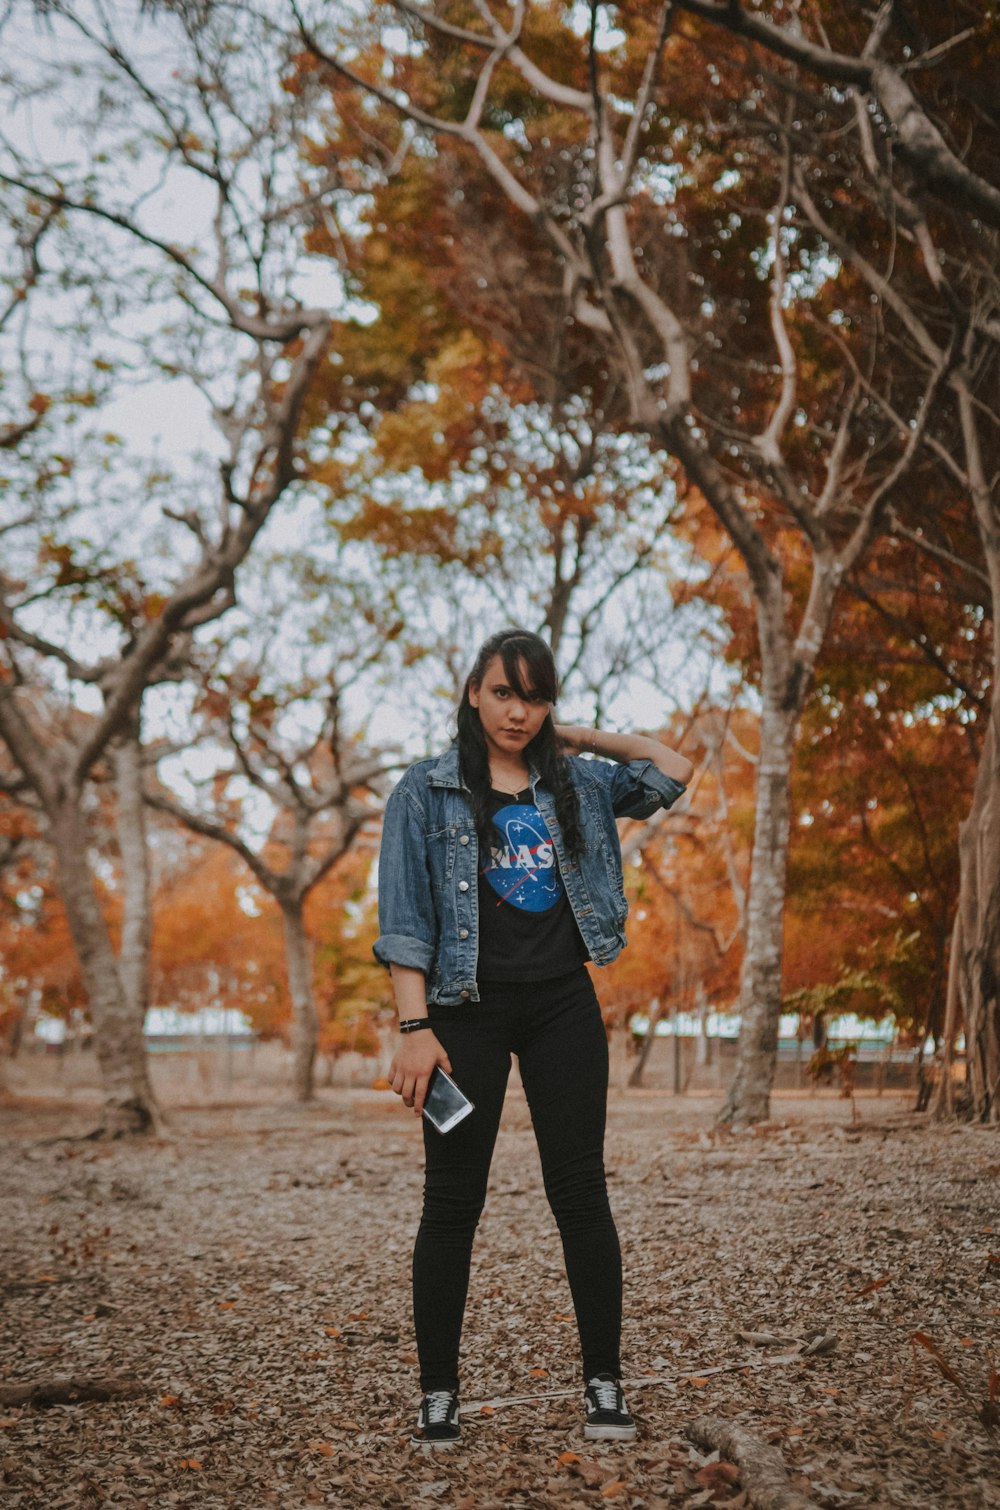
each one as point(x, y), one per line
point(831, 1288)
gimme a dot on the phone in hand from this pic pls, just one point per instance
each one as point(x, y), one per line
point(445, 1105)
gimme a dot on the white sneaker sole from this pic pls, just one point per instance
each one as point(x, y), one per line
point(609, 1433)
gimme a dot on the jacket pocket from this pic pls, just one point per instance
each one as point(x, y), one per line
point(442, 847)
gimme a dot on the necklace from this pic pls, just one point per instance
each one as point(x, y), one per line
point(510, 791)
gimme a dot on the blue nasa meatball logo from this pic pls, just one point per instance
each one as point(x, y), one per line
point(522, 868)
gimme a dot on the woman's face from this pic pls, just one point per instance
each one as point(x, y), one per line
point(510, 722)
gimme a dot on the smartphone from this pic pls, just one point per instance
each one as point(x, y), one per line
point(445, 1105)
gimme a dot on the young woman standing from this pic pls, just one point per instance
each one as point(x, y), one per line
point(499, 877)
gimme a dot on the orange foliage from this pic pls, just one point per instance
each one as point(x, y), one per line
point(218, 942)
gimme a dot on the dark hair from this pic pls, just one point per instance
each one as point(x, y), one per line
point(531, 671)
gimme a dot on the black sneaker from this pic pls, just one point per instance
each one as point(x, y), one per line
point(608, 1418)
point(437, 1420)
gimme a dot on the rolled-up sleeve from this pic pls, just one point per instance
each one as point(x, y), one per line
point(638, 787)
point(407, 919)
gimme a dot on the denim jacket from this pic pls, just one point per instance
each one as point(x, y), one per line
point(428, 901)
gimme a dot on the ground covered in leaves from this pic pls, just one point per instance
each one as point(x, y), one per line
point(250, 1272)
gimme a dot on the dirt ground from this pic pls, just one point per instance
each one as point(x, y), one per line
point(250, 1272)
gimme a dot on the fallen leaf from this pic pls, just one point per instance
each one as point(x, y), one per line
point(568, 1457)
point(718, 1476)
point(593, 1474)
point(610, 1490)
point(191, 1463)
point(538, 1373)
point(486, 1410)
point(876, 1284)
point(332, 1331)
point(227, 1305)
point(939, 1359)
point(170, 1399)
point(325, 1448)
point(699, 1382)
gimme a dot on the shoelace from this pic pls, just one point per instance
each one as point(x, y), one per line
point(606, 1392)
point(438, 1406)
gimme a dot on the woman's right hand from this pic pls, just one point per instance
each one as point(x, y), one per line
point(413, 1064)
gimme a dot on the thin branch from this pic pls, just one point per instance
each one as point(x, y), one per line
point(76, 668)
point(209, 828)
point(768, 442)
point(272, 329)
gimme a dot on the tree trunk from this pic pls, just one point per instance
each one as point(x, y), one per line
point(979, 906)
point(305, 1023)
point(943, 1099)
point(655, 1013)
point(979, 835)
point(133, 956)
point(129, 1103)
point(749, 1096)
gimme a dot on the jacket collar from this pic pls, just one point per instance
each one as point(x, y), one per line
point(445, 772)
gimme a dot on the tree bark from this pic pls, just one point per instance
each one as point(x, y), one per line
point(979, 835)
point(69, 1391)
point(305, 1022)
point(635, 1078)
point(749, 1096)
point(979, 911)
point(943, 1100)
point(130, 1106)
point(762, 1468)
point(137, 927)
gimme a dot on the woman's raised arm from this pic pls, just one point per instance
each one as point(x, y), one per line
point(624, 747)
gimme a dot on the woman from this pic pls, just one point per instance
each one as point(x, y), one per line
point(500, 876)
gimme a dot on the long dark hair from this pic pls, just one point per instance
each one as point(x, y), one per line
point(531, 671)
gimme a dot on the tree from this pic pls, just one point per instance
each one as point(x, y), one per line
point(287, 746)
point(678, 231)
point(492, 469)
point(919, 79)
point(229, 321)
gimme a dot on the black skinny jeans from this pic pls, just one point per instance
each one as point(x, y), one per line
point(555, 1029)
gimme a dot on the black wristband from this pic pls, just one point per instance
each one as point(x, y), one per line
point(414, 1024)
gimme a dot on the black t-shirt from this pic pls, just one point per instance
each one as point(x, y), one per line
point(527, 930)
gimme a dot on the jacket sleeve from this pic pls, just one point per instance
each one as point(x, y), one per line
point(636, 787)
point(407, 919)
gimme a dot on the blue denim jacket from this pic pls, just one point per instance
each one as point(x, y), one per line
point(428, 900)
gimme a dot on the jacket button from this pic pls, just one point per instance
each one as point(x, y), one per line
point(463, 839)
point(463, 933)
point(463, 995)
point(463, 885)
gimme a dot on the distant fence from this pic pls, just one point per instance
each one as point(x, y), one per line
point(195, 1065)
point(685, 1062)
